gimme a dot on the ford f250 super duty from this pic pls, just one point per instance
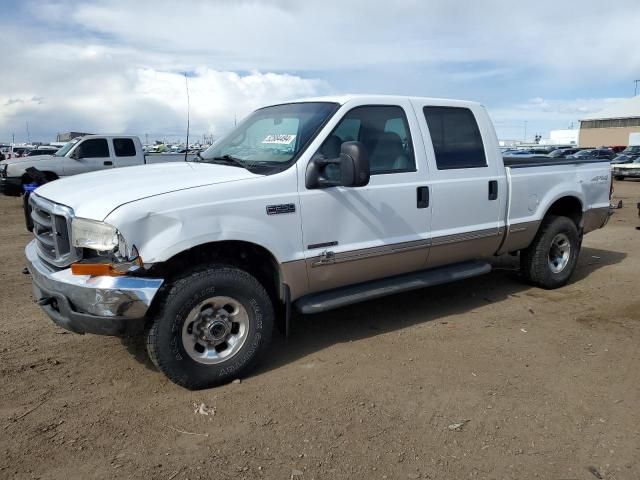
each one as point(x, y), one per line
point(313, 204)
point(81, 155)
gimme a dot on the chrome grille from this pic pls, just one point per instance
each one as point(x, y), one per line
point(52, 229)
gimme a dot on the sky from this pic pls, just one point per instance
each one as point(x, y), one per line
point(118, 66)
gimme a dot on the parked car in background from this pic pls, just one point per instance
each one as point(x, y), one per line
point(80, 155)
point(593, 153)
point(603, 153)
point(629, 169)
point(563, 152)
point(313, 205)
point(21, 151)
point(622, 158)
point(46, 150)
point(617, 148)
point(632, 150)
point(6, 151)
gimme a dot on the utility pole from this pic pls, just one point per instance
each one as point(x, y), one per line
point(28, 135)
point(635, 90)
point(525, 132)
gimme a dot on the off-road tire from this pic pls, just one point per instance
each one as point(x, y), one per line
point(164, 334)
point(534, 261)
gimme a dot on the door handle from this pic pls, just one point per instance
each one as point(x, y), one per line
point(108, 162)
point(423, 197)
point(493, 189)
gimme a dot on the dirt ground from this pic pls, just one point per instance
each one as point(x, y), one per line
point(486, 378)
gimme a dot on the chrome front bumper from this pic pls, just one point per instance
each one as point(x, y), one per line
point(86, 304)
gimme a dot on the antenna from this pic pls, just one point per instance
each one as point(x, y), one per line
point(186, 83)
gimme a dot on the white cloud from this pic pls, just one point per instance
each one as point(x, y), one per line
point(114, 64)
point(98, 89)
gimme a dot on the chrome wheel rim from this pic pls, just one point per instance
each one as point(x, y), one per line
point(559, 253)
point(215, 330)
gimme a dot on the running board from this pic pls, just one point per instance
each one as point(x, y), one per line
point(341, 297)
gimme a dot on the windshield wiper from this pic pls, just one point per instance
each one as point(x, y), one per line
point(228, 160)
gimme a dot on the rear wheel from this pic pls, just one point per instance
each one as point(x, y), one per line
point(552, 256)
point(619, 177)
point(211, 327)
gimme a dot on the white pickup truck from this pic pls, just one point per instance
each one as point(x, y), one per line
point(81, 155)
point(312, 204)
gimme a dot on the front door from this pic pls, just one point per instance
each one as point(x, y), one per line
point(90, 155)
point(468, 191)
point(353, 235)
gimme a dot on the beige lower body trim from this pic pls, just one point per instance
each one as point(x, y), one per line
point(464, 246)
point(348, 268)
point(519, 236)
point(294, 274)
point(595, 218)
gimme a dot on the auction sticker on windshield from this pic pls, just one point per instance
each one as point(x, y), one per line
point(279, 139)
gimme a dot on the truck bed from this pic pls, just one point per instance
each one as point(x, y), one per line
point(542, 161)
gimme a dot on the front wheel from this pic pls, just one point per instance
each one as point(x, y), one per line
point(553, 254)
point(211, 327)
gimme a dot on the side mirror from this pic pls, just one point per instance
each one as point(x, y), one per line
point(351, 168)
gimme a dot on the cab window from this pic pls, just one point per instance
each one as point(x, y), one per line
point(384, 132)
point(456, 138)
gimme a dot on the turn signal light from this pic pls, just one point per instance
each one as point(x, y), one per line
point(95, 269)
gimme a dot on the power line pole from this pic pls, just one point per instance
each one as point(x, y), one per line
point(186, 84)
point(28, 135)
point(525, 132)
point(635, 90)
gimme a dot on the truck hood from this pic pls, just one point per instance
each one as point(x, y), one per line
point(94, 195)
point(32, 160)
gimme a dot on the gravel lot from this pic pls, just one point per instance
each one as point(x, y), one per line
point(486, 378)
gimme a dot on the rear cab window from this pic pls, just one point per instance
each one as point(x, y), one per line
point(456, 138)
point(124, 147)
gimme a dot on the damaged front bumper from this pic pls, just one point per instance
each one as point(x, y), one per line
point(85, 304)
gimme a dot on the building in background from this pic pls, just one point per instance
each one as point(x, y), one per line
point(65, 137)
point(611, 126)
point(563, 137)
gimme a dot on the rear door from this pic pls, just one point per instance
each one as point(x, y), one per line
point(468, 182)
point(354, 235)
point(90, 155)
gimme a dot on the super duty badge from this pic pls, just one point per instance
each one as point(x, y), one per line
point(283, 208)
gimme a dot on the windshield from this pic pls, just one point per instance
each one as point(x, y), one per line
point(556, 153)
point(67, 146)
point(272, 136)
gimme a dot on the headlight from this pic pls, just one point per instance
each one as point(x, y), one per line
point(95, 235)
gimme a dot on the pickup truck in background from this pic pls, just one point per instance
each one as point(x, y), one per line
point(313, 205)
point(80, 155)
